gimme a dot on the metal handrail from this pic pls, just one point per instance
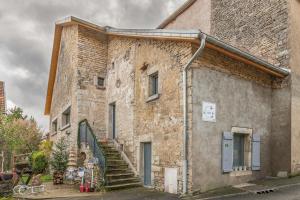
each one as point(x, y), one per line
point(87, 136)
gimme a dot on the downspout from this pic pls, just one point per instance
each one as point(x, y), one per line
point(185, 135)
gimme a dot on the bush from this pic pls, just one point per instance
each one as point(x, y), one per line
point(39, 162)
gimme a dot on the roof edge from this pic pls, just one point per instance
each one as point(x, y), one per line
point(176, 13)
point(178, 35)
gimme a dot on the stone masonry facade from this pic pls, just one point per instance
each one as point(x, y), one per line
point(245, 97)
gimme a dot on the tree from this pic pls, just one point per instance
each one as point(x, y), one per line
point(60, 155)
point(18, 134)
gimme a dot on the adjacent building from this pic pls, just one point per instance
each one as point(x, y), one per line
point(2, 98)
point(206, 108)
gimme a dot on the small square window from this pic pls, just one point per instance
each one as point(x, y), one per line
point(153, 83)
point(66, 117)
point(100, 81)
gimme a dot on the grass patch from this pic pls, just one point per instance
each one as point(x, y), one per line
point(46, 178)
point(6, 198)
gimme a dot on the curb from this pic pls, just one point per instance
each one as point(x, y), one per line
point(244, 193)
point(226, 195)
point(56, 197)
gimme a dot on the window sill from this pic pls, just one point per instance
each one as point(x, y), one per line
point(100, 87)
point(152, 98)
point(54, 133)
point(65, 127)
point(241, 173)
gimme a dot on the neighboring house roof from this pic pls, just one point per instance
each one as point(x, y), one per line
point(177, 12)
point(160, 34)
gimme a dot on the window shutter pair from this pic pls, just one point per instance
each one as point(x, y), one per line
point(227, 152)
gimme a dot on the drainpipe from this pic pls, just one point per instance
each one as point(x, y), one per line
point(185, 135)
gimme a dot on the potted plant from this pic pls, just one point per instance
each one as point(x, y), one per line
point(59, 160)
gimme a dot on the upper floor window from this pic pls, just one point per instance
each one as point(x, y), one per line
point(54, 126)
point(153, 84)
point(99, 82)
point(66, 117)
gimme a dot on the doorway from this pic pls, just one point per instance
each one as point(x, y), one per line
point(147, 160)
point(112, 108)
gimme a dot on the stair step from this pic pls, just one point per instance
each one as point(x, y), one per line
point(118, 171)
point(124, 181)
point(117, 162)
point(122, 174)
point(123, 186)
point(108, 154)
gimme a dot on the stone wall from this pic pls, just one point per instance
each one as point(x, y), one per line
point(137, 120)
point(197, 16)
point(120, 87)
point(258, 27)
point(242, 100)
point(91, 64)
point(160, 121)
point(294, 43)
point(65, 86)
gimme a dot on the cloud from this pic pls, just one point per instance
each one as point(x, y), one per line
point(26, 38)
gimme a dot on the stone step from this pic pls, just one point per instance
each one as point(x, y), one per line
point(113, 176)
point(123, 186)
point(106, 151)
point(116, 162)
point(118, 170)
point(124, 181)
point(111, 154)
point(113, 157)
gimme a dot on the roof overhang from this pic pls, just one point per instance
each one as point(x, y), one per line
point(192, 36)
point(175, 14)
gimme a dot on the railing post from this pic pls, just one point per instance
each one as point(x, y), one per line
point(86, 142)
point(94, 148)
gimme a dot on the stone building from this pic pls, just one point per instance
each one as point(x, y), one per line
point(207, 108)
point(2, 98)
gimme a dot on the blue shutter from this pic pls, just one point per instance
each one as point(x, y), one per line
point(255, 162)
point(227, 152)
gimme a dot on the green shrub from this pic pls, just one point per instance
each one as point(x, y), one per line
point(39, 162)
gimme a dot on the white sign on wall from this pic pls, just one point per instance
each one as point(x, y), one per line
point(208, 112)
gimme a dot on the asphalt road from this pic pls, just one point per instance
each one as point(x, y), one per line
point(290, 193)
point(131, 194)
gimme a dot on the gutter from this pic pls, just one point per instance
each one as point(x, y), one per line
point(281, 71)
point(185, 134)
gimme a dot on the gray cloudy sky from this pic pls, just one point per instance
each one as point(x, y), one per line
point(26, 36)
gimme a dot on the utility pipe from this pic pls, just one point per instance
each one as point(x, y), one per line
point(202, 36)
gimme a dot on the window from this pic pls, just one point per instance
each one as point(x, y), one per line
point(153, 83)
point(54, 126)
point(238, 150)
point(66, 116)
point(100, 82)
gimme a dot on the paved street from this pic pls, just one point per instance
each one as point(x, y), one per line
point(290, 193)
point(131, 194)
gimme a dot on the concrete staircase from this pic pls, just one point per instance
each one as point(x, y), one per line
point(118, 173)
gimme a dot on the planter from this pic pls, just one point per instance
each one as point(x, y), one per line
point(58, 178)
